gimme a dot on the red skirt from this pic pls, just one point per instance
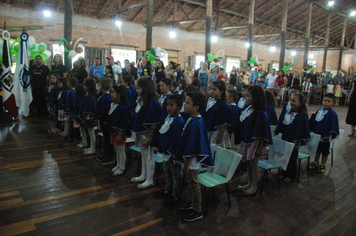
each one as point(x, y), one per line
point(113, 140)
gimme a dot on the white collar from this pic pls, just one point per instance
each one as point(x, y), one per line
point(138, 105)
point(242, 102)
point(246, 113)
point(320, 114)
point(289, 118)
point(210, 104)
point(167, 124)
point(113, 107)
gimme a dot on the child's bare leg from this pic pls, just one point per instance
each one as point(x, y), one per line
point(255, 174)
point(324, 159)
point(317, 157)
point(249, 175)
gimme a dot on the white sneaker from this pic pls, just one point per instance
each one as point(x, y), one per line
point(80, 145)
point(114, 169)
point(118, 172)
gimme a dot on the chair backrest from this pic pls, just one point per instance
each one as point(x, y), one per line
point(280, 152)
point(213, 148)
point(312, 145)
point(226, 162)
point(335, 143)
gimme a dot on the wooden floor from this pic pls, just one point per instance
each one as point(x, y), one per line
point(49, 190)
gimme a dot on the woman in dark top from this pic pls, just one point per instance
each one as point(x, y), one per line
point(289, 78)
point(295, 80)
point(129, 70)
point(160, 72)
point(78, 72)
point(233, 76)
point(58, 66)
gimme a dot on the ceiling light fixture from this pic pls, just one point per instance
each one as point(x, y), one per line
point(47, 13)
point(331, 3)
point(247, 44)
point(353, 13)
point(118, 23)
point(293, 53)
point(273, 49)
point(214, 38)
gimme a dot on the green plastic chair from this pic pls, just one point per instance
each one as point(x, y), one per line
point(335, 144)
point(225, 164)
point(307, 151)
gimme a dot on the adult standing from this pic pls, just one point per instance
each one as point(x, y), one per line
point(78, 72)
point(271, 78)
point(39, 81)
point(204, 77)
point(351, 113)
point(129, 70)
point(180, 74)
point(160, 72)
point(115, 68)
point(96, 71)
point(252, 75)
point(58, 66)
point(312, 76)
point(196, 72)
point(282, 83)
point(296, 80)
point(289, 78)
point(172, 73)
point(233, 76)
point(326, 79)
point(145, 67)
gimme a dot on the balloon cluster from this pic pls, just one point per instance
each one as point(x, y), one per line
point(253, 61)
point(212, 57)
point(309, 67)
point(287, 66)
point(151, 55)
point(342, 71)
point(34, 49)
point(72, 49)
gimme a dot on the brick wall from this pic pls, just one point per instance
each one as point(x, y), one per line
point(99, 33)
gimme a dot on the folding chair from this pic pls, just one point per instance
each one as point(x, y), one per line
point(335, 144)
point(308, 151)
point(225, 164)
point(278, 157)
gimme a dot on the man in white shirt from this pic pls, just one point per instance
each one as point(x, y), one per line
point(116, 69)
point(271, 78)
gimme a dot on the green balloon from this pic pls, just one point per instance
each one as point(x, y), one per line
point(150, 57)
point(0, 58)
point(153, 62)
point(69, 57)
point(17, 48)
point(66, 51)
point(11, 41)
point(34, 54)
point(13, 51)
point(80, 57)
point(19, 38)
point(41, 48)
point(33, 47)
point(44, 57)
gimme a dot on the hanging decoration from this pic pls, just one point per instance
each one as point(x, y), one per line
point(215, 57)
point(160, 53)
point(72, 49)
point(287, 66)
point(151, 55)
point(253, 61)
point(309, 67)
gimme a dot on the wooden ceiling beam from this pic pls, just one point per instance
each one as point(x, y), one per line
point(182, 9)
point(59, 5)
point(162, 9)
point(222, 28)
point(102, 9)
point(338, 12)
point(139, 13)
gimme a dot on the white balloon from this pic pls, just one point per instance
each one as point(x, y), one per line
point(252, 65)
point(31, 40)
point(48, 53)
point(72, 53)
point(30, 45)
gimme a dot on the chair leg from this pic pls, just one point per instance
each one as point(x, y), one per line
point(228, 194)
point(206, 201)
point(308, 166)
point(299, 164)
point(332, 157)
point(279, 177)
point(263, 179)
point(158, 169)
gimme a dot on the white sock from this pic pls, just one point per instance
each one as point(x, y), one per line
point(92, 139)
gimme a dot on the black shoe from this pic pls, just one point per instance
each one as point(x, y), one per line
point(171, 201)
point(107, 161)
point(193, 216)
point(101, 158)
point(186, 206)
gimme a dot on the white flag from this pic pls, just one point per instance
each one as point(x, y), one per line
point(22, 82)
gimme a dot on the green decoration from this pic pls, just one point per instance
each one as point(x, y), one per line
point(150, 56)
point(41, 48)
point(80, 57)
point(13, 51)
point(17, 48)
point(252, 60)
point(69, 57)
point(11, 41)
point(34, 54)
point(19, 38)
point(66, 50)
point(210, 57)
point(33, 47)
point(153, 62)
point(0, 58)
point(44, 57)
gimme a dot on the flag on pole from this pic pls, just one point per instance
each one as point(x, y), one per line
point(22, 83)
point(9, 101)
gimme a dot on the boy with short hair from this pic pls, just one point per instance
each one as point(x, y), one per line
point(101, 114)
point(307, 86)
point(222, 74)
point(325, 122)
point(174, 87)
point(169, 131)
point(165, 88)
point(70, 101)
point(193, 149)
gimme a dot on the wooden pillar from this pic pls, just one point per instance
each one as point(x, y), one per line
point(326, 42)
point(342, 44)
point(283, 35)
point(149, 24)
point(307, 35)
point(68, 13)
point(209, 13)
point(355, 41)
point(250, 28)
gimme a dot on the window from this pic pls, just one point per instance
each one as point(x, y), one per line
point(165, 60)
point(60, 50)
point(122, 54)
point(311, 63)
point(198, 59)
point(275, 65)
point(230, 62)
